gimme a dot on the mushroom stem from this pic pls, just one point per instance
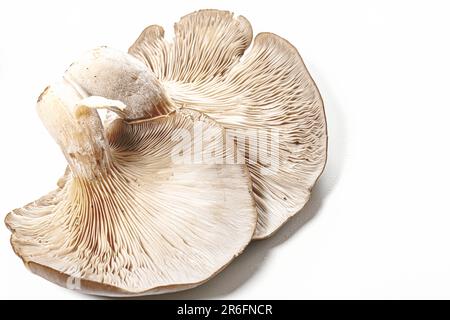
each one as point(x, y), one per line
point(76, 128)
point(117, 75)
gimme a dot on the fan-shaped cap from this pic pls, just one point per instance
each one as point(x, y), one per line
point(131, 216)
point(268, 91)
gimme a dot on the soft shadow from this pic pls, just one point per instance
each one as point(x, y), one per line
point(252, 260)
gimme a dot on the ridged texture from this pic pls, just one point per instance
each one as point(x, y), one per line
point(207, 43)
point(269, 89)
point(149, 225)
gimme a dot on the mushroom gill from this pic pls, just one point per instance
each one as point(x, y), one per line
point(268, 92)
point(142, 209)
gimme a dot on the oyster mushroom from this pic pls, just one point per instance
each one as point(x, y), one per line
point(266, 99)
point(129, 217)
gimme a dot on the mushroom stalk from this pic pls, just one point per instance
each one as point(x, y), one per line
point(115, 75)
point(76, 128)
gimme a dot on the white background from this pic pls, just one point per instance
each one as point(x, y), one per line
point(378, 223)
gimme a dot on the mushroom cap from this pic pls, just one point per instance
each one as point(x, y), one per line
point(139, 219)
point(266, 92)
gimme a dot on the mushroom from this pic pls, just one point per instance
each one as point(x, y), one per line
point(131, 216)
point(147, 204)
point(267, 91)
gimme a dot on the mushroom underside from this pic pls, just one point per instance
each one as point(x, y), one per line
point(147, 226)
point(147, 204)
